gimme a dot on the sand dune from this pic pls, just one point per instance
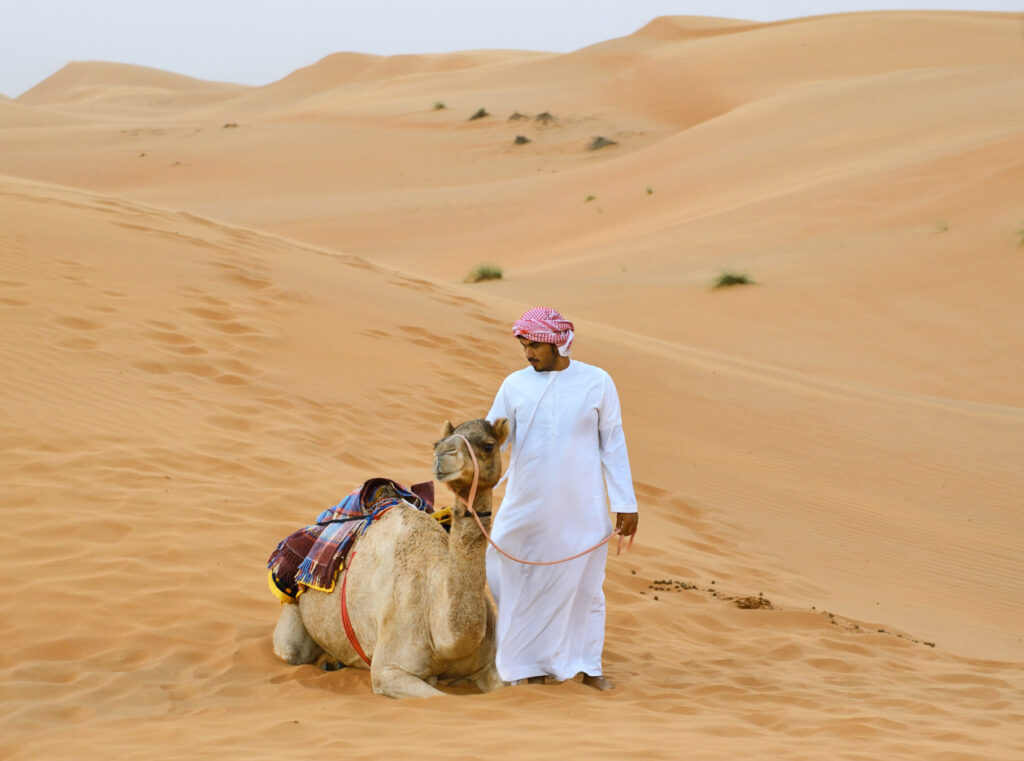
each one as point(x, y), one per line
point(211, 332)
point(15, 115)
point(345, 68)
point(123, 89)
point(674, 61)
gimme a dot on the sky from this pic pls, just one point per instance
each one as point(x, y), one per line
point(259, 41)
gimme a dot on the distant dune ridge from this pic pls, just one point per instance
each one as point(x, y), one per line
point(210, 334)
point(95, 84)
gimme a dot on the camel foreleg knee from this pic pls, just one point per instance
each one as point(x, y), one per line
point(488, 679)
point(395, 683)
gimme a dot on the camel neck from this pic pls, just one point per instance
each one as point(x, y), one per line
point(460, 622)
point(482, 505)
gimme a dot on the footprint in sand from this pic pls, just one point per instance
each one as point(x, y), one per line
point(77, 323)
point(169, 337)
point(78, 344)
point(230, 423)
point(213, 315)
point(423, 337)
point(229, 379)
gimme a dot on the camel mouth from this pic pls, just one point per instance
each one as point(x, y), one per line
point(442, 477)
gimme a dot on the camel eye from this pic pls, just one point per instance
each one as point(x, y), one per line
point(488, 447)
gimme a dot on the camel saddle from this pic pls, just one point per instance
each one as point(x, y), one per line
point(313, 556)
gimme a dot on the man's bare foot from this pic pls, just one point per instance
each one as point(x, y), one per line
point(535, 680)
point(598, 682)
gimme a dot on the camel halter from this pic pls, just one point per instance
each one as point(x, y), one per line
point(469, 506)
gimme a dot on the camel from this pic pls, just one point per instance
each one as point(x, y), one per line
point(415, 594)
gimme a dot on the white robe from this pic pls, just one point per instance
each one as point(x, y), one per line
point(551, 618)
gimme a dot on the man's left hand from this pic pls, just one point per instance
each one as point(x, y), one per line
point(625, 523)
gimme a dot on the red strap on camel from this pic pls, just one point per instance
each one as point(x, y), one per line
point(346, 622)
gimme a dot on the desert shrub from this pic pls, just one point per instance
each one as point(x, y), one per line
point(728, 278)
point(600, 142)
point(484, 272)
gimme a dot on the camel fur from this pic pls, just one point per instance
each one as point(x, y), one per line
point(416, 595)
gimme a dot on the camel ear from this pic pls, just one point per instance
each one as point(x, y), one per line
point(447, 430)
point(501, 430)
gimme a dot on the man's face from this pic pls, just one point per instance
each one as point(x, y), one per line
point(541, 356)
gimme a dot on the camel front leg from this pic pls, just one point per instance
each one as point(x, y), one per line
point(488, 679)
point(394, 682)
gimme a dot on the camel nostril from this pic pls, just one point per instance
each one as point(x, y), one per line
point(452, 451)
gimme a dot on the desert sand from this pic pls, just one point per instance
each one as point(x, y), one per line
point(224, 307)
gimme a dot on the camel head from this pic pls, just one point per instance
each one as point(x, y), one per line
point(452, 462)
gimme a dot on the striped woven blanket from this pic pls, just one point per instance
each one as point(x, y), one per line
point(312, 556)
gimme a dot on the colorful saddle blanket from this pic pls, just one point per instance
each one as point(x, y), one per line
point(312, 556)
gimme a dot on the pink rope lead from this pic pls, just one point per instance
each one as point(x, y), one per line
point(472, 497)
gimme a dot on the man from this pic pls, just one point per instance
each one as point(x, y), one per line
point(566, 443)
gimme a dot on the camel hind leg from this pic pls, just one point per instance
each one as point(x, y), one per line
point(292, 643)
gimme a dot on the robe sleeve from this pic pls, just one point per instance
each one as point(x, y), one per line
point(500, 409)
point(614, 458)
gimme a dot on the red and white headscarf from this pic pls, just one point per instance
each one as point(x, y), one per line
point(547, 326)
